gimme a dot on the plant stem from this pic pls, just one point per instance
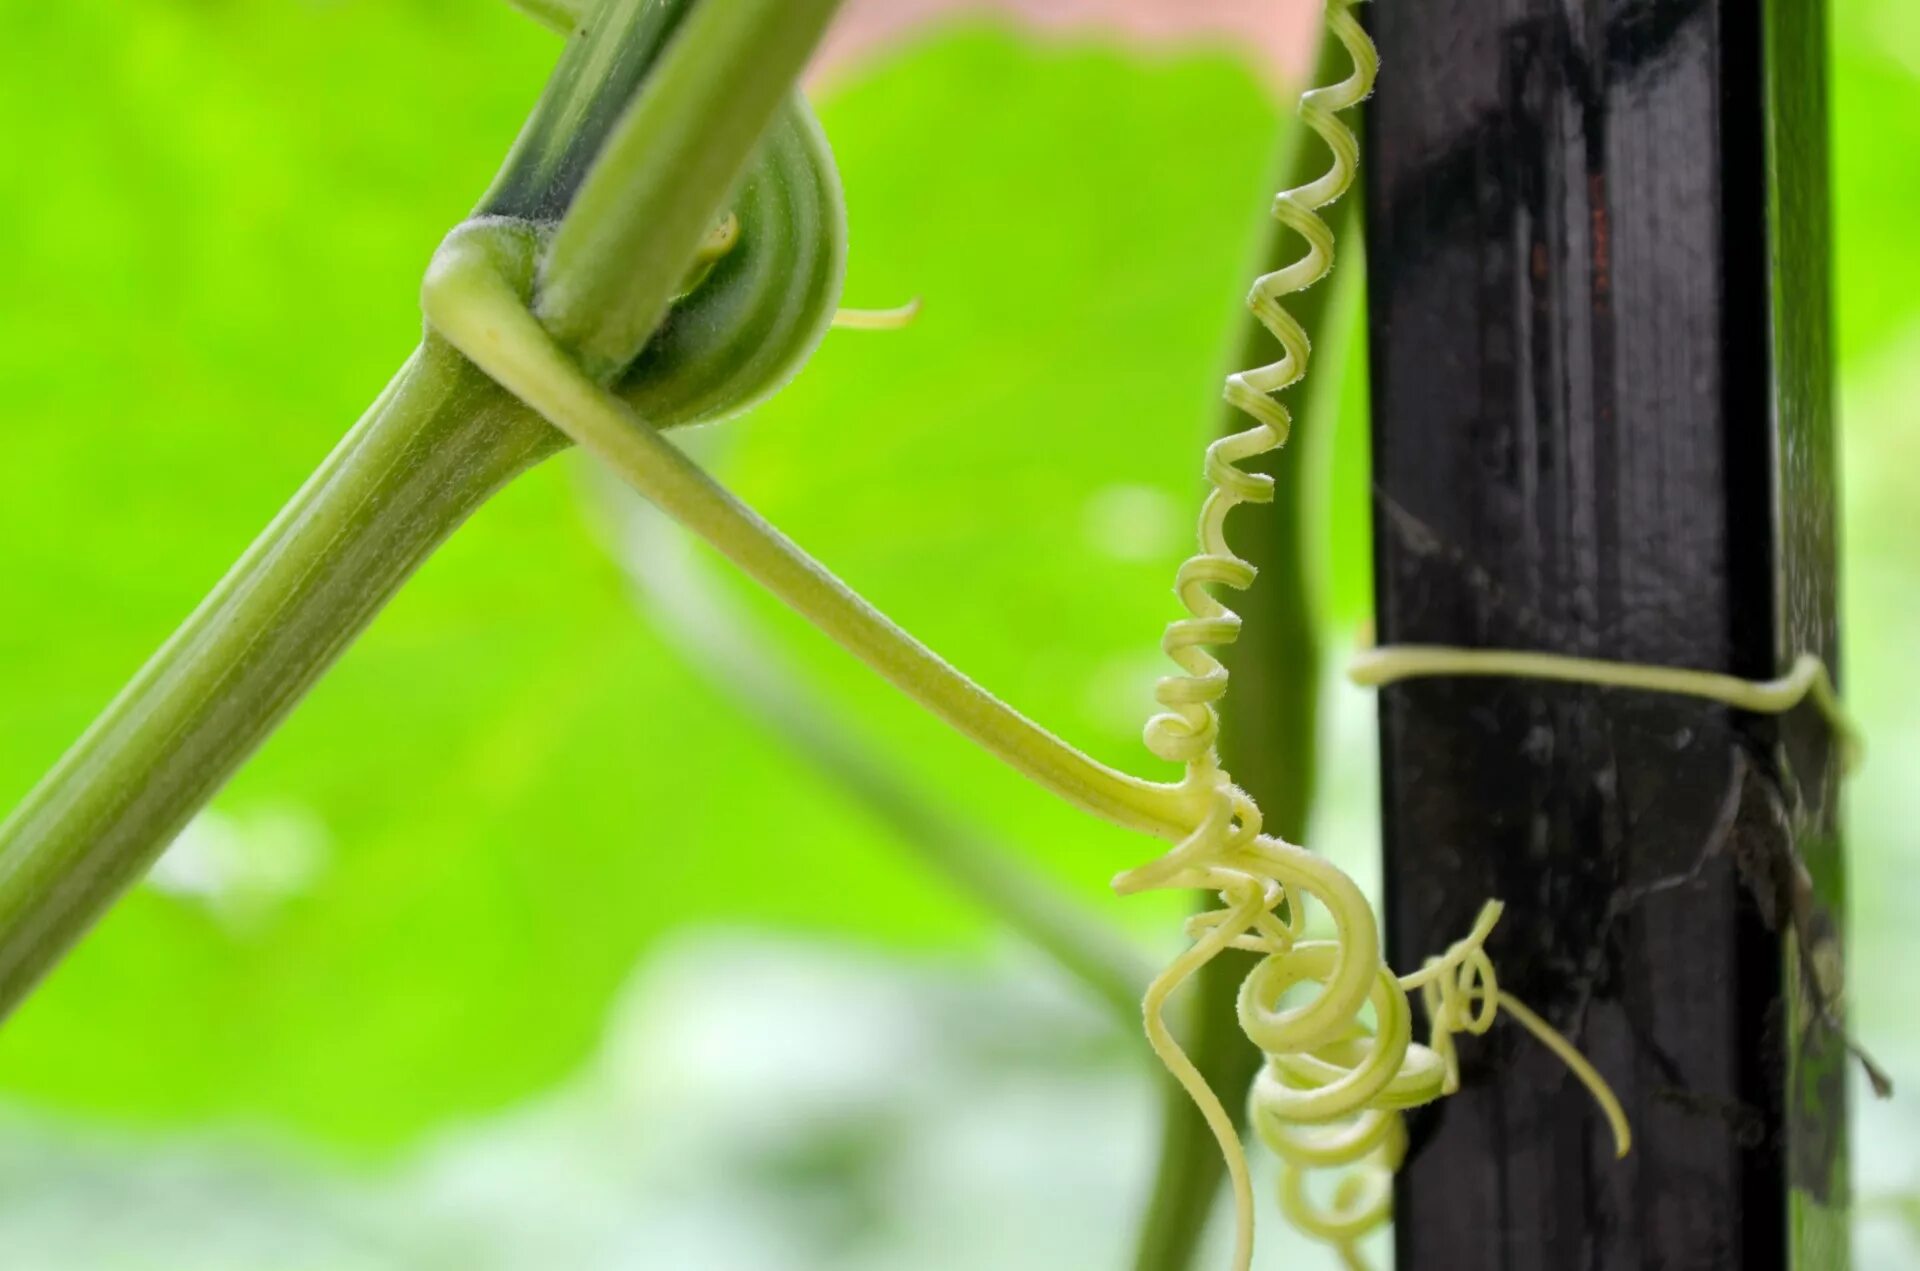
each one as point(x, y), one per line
point(470, 299)
point(430, 450)
point(716, 638)
point(662, 178)
point(556, 361)
point(1269, 722)
point(440, 440)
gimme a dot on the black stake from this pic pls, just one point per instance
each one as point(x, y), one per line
point(1603, 427)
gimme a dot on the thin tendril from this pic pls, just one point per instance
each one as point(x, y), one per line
point(1807, 680)
point(1330, 1092)
point(1577, 1063)
point(1331, 1088)
point(893, 319)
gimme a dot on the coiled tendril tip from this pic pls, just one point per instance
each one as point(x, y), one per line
point(1330, 1091)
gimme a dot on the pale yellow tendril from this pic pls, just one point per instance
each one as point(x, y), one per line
point(877, 319)
point(1332, 1087)
point(1806, 680)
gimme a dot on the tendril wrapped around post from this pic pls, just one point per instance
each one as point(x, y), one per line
point(1330, 1093)
point(1333, 1085)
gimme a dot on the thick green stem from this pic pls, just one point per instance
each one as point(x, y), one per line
point(471, 298)
point(432, 448)
point(663, 177)
point(440, 441)
point(1269, 723)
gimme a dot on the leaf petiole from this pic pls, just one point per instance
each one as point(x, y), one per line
point(469, 298)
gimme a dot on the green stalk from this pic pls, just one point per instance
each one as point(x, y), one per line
point(1269, 723)
point(439, 441)
point(662, 179)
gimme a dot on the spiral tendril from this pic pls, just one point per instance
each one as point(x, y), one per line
point(1333, 1082)
point(1332, 1087)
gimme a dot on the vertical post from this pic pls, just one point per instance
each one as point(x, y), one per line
point(1602, 426)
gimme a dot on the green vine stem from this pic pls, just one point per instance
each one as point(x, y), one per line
point(716, 638)
point(660, 179)
point(437, 443)
point(470, 296)
point(1271, 740)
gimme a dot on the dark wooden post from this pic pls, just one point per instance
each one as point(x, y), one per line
point(1602, 427)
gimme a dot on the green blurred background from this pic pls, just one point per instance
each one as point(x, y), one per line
point(521, 945)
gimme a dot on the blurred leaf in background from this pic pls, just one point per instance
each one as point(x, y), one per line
point(510, 790)
point(370, 1009)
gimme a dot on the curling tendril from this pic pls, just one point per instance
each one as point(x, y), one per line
point(1331, 1090)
